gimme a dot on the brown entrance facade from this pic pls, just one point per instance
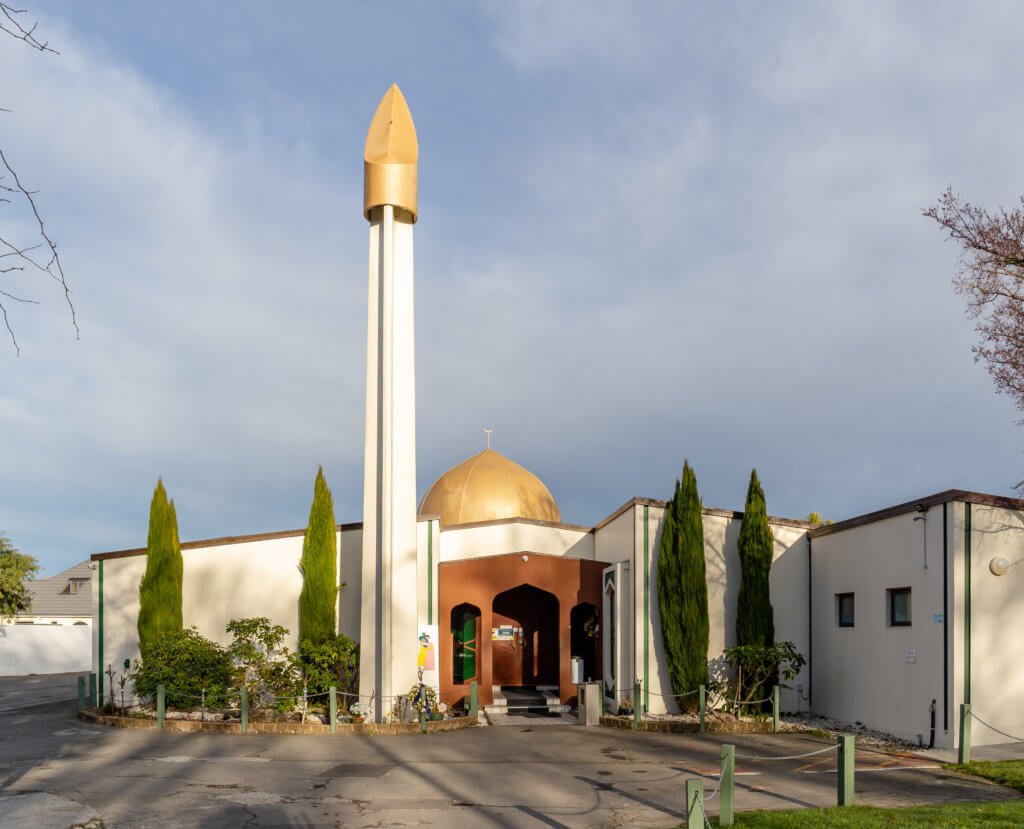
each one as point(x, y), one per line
point(516, 620)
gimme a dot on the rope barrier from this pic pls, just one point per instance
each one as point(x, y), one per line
point(1010, 736)
point(789, 756)
point(675, 696)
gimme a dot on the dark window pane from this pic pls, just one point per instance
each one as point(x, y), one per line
point(899, 606)
point(844, 609)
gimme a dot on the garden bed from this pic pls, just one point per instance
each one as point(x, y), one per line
point(687, 725)
point(235, 726)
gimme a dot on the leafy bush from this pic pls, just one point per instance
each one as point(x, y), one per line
point(185, 663)
point(335, 661)
point(267, 669)
point(755, 666)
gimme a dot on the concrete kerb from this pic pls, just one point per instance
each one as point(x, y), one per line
point(235, 727)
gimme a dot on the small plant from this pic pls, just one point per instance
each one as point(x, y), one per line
point(756, 666)
point(265, 667)
point(334, 661)
point(187, 665)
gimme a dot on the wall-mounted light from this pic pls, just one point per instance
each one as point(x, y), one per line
point(526, 558)
point(999, 565)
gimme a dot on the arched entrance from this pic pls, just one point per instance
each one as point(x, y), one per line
point(524, 646)
point(585, 638)
point(465, 622)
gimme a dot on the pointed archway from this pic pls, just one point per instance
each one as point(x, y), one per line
point(525, 649)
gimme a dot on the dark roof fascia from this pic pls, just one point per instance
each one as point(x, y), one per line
point(945, 497)
point(222, 541)
point(724, 513)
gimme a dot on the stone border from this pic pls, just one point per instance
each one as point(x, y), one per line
point(714, 726)
point(235, 727)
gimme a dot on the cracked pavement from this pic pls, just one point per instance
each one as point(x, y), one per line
point(56, 770)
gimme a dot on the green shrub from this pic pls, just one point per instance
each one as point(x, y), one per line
point(683, 591)
point(334, 661)
point(757, 666)
point(268, 670)
point(160, 590)
point(185, 663)
point(318, 600)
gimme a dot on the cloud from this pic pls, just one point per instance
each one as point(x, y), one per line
point(644, 236)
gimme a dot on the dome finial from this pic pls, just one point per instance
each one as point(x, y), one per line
point(487, 431)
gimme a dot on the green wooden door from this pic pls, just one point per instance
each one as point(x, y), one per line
point(464, 634)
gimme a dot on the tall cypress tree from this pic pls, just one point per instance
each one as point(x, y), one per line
point(755, 619)
point(683, 591)
point(318, 600)
point(160, 589)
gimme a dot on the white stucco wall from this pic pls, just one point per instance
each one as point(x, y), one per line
point(885, 677)
point(44, 649)
point(996, 622)
point(788, 583)
point(458, 543)
point(220, 582)
point(350, 573)
point(614, 541)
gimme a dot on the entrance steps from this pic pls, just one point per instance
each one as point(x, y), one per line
point(511, 699)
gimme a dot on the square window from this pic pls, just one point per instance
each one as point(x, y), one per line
point(844, 610)
point(899, 606)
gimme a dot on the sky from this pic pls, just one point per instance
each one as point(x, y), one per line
point(647, 232)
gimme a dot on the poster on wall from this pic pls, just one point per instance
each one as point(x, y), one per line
point(427, 656)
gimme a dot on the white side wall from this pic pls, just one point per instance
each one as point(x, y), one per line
point(44, 649)
point(788, 583)
point(220, 582)
point(615, 541)
point(350, 575)
point(996, 623)
point(885, 677)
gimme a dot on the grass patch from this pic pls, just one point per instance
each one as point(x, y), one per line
point(997, 813)
point(1007, 772)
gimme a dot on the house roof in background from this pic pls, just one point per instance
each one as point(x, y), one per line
point(49, 598)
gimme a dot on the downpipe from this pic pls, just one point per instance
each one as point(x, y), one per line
point(931, 714)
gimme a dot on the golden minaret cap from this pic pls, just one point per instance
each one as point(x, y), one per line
point(391, 156)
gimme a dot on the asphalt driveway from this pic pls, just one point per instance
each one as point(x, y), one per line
point(56, 770)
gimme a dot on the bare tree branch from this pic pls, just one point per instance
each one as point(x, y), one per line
point(991, 278)
point(17, 257)
point(11, 23)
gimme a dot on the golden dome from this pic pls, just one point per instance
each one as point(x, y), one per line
point(486, 487)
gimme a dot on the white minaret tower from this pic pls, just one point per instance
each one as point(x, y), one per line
point(388, 645)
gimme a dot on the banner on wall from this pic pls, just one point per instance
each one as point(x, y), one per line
point(427, 655)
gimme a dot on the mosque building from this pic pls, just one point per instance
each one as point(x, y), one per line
point(901, 612)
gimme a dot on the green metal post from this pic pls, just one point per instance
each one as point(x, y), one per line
point(844, 772)
point(964, 753)
point(81, 693)
point(775, 710)
point(636, 706)
point(727, 785)
point(244, 714)
point(703, 697)
point(474, 699)
point(161, 706)
point(694, 803)
point(423, 723)
point(92, 690)
point(334, 709)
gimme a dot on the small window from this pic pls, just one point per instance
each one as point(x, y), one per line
point(899, 606)
point(844, 610)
